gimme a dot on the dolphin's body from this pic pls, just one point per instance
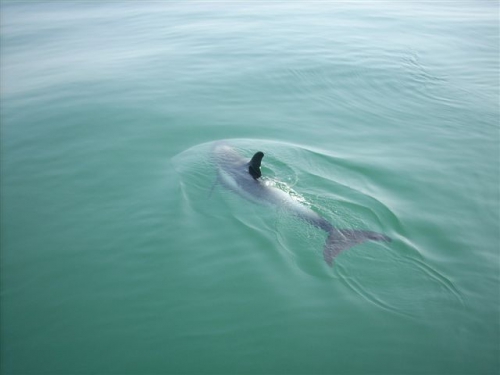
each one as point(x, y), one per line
point(242, 176)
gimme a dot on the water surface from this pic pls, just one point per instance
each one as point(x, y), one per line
point(116, 257)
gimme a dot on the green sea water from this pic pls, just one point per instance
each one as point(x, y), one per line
point(120, 256)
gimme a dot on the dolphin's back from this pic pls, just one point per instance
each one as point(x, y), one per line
point(233, 174)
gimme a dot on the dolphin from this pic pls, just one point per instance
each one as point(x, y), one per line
point(243, 177)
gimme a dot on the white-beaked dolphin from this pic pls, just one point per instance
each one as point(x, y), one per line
point(243, 177)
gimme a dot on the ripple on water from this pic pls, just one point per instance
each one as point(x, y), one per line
point(372, 83)
point(324, 181)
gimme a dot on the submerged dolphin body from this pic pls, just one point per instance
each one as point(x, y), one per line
point(242, 176)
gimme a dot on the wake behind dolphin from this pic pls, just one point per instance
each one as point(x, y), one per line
point(243, 177)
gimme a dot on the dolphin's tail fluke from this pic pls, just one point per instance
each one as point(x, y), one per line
point(342, 239)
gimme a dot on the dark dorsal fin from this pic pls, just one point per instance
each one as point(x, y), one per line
point(254, 165)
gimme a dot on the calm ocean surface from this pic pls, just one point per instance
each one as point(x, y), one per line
point(116, 256)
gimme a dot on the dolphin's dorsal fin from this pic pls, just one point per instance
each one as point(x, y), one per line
point(254, 165)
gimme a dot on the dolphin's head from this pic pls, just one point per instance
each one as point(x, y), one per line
point(254, 165)
point(226, 157)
